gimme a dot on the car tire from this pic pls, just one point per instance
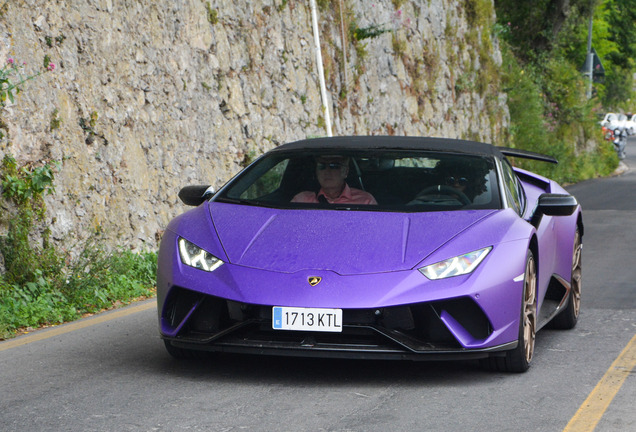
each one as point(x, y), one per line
point(519, 358)
point(568, 318)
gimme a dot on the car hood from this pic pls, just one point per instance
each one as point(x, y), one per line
point(345, 242)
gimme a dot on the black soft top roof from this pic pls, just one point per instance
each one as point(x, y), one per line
point(376, 142)
point(390, 143)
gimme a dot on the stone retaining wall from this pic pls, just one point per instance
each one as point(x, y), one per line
point(151, 95)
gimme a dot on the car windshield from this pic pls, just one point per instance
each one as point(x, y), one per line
point(408, 181)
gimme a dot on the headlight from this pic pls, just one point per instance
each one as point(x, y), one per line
point(193, 256)
point(457, 266)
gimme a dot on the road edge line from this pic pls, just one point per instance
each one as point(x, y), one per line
point(592, 409)
point(77, 325)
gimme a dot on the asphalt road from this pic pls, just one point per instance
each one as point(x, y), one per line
point(111, 372)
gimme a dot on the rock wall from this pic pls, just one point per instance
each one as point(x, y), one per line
point(151, 95)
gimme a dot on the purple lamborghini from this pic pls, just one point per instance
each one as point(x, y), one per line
point(373, 247)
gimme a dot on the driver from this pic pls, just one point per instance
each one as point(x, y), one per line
point(331, 172)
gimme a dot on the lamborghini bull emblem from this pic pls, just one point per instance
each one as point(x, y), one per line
point(314, 280)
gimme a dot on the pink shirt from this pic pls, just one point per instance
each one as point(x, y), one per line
point(349, 195)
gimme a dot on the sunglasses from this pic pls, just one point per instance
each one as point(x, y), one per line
point(451, 181)
point(331, 165)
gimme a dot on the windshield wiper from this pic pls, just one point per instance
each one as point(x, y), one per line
point(245, 202)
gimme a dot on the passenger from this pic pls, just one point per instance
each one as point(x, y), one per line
point(331, 172)
point(462, 180)
point(456, 181)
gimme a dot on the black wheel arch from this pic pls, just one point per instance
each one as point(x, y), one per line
point(533, 246)
point(579, 224)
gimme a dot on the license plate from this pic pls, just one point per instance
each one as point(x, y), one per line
point(306, 319)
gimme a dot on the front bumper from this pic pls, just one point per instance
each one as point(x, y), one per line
point(423, 331)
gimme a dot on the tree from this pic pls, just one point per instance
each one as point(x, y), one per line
point(537, 25)
point(615, 42)
point(622, 31)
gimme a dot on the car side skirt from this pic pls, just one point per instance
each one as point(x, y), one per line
point(555, 301)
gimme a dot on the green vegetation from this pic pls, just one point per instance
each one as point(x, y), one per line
point(55, 120)
point(88, 126)
point(541, 31)
point(12, 78)
point(614, 39)
point(323, 5)
point(282, 6)
point(543, 48)
point(51, 41)
point(212, 14)
point(370, 32)
point(41, 285)
point(537, 125)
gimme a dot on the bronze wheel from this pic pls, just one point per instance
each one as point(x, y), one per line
point(519, 358)
point(576, 275)
point(529, 309)
point(567, 318)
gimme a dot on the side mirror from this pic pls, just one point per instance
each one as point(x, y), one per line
point(553, 205)
point(557, 204)
point(195, 195)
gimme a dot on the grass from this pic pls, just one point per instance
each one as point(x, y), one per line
point(43, 285)
point(92, 282)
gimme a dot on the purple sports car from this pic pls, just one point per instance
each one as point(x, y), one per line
point(373, 247)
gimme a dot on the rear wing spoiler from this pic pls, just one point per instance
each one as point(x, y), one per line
point(525, 154)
